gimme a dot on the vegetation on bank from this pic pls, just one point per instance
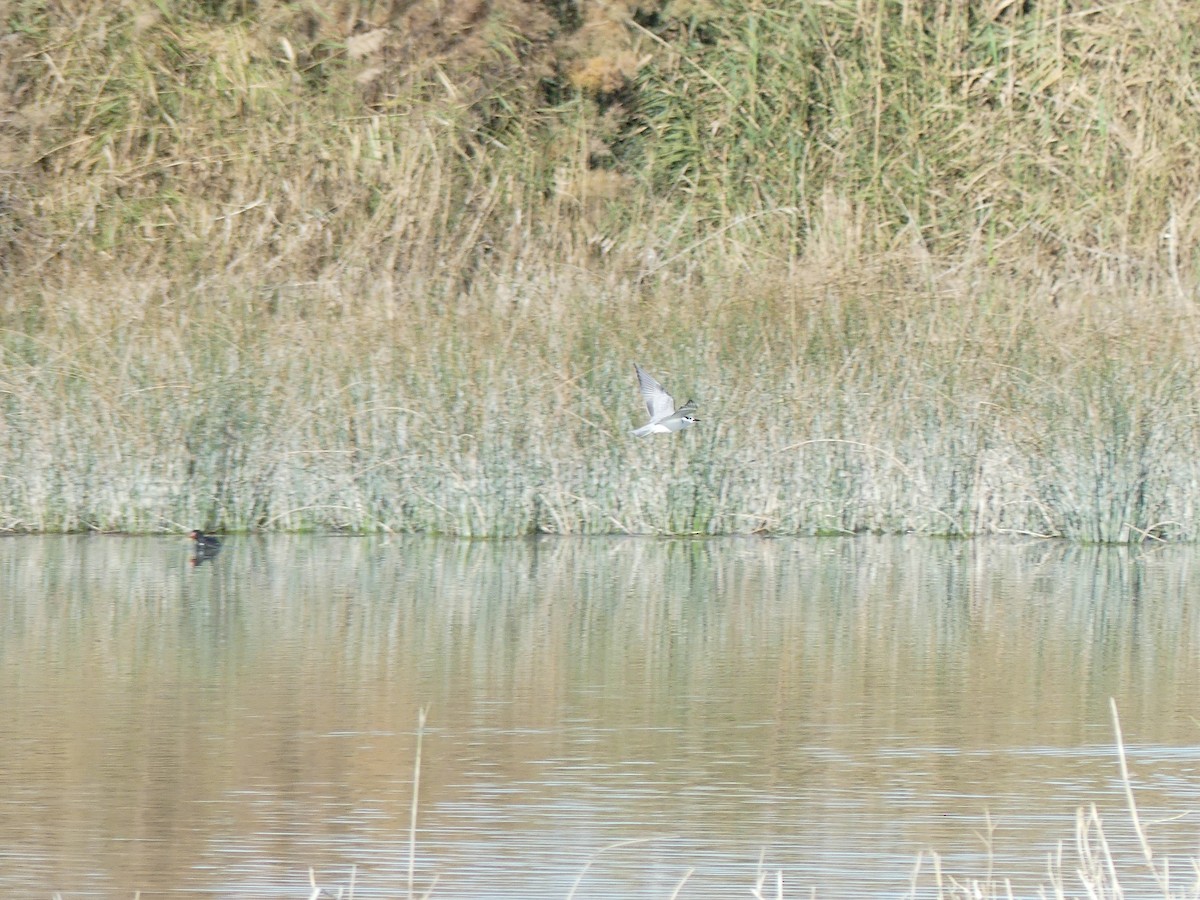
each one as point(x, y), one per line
point(925, 267)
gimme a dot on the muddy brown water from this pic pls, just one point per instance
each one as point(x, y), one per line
point(605, 717)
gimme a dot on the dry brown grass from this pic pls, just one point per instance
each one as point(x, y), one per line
point(274, 267)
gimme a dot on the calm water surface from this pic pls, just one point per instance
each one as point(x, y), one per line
point(604, 716)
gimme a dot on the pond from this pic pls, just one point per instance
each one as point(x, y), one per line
point(616, 717)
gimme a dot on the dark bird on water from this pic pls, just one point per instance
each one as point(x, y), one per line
point(205, 542)
point(206, 547)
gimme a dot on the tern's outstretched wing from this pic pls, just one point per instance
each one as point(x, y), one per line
point(658, 401)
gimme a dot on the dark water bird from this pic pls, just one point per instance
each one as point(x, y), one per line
point(206, 546)
point(205, 541)
point(664, 417)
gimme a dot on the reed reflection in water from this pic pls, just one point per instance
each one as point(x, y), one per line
point(830, 708)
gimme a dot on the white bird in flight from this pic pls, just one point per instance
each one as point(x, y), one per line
point(664, 417)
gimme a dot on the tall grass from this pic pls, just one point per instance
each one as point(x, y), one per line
point(864, 409)
point(925, 268)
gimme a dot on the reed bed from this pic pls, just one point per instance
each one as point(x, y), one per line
point(923, 269)
point(863, 410)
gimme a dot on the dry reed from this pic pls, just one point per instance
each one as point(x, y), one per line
point(923, 269)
